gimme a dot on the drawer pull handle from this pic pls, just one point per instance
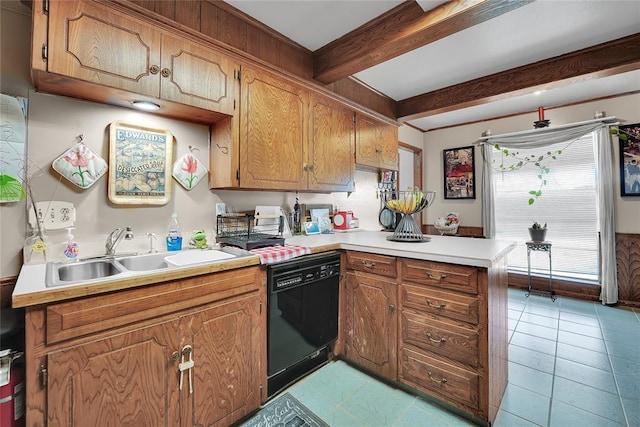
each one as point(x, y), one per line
point(368, 264)
point(438, 306)
point(435, 380)
point(439, 278)
point(440, 341)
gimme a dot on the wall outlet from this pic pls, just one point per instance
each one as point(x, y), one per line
point(53, 215)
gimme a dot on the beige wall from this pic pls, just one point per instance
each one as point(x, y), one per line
point(54, 122)
point(626, 108)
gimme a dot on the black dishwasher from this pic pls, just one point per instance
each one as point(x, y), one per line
point(302, 316)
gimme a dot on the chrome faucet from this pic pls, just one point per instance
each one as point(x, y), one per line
point(114, 238)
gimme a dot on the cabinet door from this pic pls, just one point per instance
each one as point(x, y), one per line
point(376, 144)
point(229, 348)
point(273, 132)
point(197, 76)
point(124, 380)
point(372, 322)
point(331, 158)
point(90, 42)
point(366, 146)
point(387, 137)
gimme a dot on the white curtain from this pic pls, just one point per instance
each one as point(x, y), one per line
point(606, 214)
point(606, 217)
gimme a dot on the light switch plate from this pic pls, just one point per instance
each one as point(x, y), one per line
point(53, 215)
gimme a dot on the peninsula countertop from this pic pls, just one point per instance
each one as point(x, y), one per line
point(30, 288)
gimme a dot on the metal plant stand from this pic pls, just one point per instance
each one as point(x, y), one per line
point(543, 247)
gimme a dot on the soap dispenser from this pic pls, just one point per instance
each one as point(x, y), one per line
point(71, 246)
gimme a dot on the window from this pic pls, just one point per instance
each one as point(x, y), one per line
point(569, 205)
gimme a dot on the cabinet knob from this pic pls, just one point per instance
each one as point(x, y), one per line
point(165, 72)
point(175, 356)
point(439, 278)
point(154, 69)
point(438, 306)
point(435, 380)
point(368, 264)
point(440, 341)
point(392, 308)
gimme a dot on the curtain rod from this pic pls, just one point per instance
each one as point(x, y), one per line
point(607, 120)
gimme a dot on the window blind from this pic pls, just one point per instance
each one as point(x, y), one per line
point(568, 205)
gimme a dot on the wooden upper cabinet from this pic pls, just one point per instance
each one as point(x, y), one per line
point(376, 144)
point(196, 75)
point(273, 132)
point(285, 137)
point(331, 165)
point(91, 42)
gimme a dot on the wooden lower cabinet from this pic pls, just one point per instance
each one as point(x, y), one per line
point(450, 336)
point(130, 375)
point(371, 322)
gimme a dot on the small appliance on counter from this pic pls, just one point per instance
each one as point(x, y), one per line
point(344, 220)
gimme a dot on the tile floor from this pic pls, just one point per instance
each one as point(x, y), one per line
point(571, 363)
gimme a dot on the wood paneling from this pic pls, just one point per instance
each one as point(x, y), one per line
point(628, 266)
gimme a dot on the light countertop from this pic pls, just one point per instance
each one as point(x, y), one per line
point(30, 288)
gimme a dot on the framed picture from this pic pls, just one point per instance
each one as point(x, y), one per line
point(459, 173)
point(629, 160)
point(140, 163)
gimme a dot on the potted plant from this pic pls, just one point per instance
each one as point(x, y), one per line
point(538, 232)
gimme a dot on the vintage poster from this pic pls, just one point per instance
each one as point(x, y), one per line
point(140, 162)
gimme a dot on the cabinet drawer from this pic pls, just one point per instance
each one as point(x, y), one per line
point(76, 318)
point(456, 277)
point(371, 263)
point(436, 376)
point(443, 303)
point(441, 336)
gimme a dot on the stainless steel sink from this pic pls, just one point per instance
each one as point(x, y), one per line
point(59, 273)
point(144, 262)
point(96, 269)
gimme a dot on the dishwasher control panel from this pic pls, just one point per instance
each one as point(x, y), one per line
point(301, 272)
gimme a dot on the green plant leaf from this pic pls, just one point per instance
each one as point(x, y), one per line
point(531, 201)
point(532, 192)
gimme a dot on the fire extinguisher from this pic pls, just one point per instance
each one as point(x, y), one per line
point(12, 391)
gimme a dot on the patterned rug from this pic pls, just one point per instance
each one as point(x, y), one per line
point(284, 411)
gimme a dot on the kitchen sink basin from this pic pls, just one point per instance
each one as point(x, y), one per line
point(59, 273)
point(144, 262)
point(96, 269)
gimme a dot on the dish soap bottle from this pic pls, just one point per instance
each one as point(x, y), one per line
point(174, 236)
point(71, 247)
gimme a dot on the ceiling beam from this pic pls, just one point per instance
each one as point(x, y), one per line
point(403, 29)
point(602, 60)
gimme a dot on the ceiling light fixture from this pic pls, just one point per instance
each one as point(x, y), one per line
point(146, 105)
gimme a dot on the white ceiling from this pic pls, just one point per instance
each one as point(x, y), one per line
point(540, 30)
